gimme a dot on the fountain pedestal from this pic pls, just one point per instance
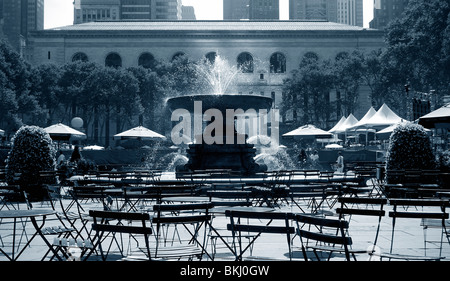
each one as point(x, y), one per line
point(237, 157)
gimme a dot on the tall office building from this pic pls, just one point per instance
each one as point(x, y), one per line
point(341, 11)
point(188, 13)
point(313, 10)
point(236, 9)
point(264, 10)
point(350, 12)
point(251, 10)
point(384, 11)
point(94, 10)
point(18, 18)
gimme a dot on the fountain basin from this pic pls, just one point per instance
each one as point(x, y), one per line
point(235, 157)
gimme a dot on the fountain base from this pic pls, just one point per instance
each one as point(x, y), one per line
point(235, 157)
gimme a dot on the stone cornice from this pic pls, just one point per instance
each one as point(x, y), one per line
point(225, 34)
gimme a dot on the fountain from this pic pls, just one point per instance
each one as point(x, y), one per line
point(228, 152)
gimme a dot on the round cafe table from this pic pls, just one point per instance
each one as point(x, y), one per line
point(21, 215)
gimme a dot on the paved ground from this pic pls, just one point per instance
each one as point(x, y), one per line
point(409, 238)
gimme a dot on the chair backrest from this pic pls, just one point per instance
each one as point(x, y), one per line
point(103, 221)
point(418, 209)
point(323, 230)
point(364, 206)
point(259, 222)
point(181, 213)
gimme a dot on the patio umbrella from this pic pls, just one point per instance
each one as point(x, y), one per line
point(61, 132)
point(439, 118)
point(140, 133)
point(2, 133)
point(308, 132)
point(93, 147)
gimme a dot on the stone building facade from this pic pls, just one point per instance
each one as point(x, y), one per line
point(275, 47)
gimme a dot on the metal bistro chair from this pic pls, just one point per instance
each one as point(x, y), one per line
point(411, 209)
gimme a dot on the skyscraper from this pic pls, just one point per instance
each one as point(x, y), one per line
point(342, 11)
point(236, 9)
point(313, 10)
point(384, 11)
point(251, 10)
point(264, 10)
point(94, 10)
point(18, 18)
point(188, 13)
point(350, 12)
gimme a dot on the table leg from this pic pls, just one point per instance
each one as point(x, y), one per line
point(38, 231)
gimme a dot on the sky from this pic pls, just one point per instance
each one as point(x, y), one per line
point(60, 12)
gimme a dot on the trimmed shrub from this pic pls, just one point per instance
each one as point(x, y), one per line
point(409, 149)
point(31, 152)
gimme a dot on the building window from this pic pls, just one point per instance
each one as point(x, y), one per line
point(146, 60)
point(245, 62)
point(277, 63)
point(80, 57)
point(311, 56)
point(49, 55)
point(113, 60)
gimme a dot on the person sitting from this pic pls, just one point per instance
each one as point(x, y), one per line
point(61, 158)
point(76, 155)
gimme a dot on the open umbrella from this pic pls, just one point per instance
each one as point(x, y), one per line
point(439, 118)
point(61, 132)
point(308, 131)
point(140, 133)
point(2, 133)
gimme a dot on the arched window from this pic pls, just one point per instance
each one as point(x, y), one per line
point(211, 57)
point(245, 62)
point(311, 55)
point(178, 55)
point(113, 60)
point(146, 60)
point(80, 57)
point(277, 63)
point(309, 58)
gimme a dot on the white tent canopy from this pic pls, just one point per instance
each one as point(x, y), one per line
point(384, 117)
point(63, 132)
point(365, 118)
point(338, 124)
point(139, 132)
point(388, 130)
point(439, 118)
point(349, 122)
point(308, 131)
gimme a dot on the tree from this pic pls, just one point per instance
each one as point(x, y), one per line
point(48, 91)
point(416, 45)
point(348, 74)
point(307, 92)
point(17, 99)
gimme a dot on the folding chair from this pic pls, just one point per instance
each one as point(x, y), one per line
point(107, 224)
point(363, 207)
point(323, 235)
point(189, 223)
point(244, 222)
point(421, 209)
